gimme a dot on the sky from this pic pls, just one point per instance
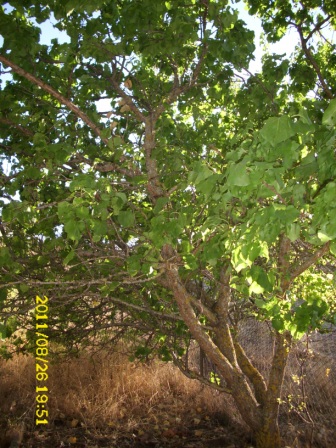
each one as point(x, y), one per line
point(285, 46)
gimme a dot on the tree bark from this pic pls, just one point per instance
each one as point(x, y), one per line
point(260, 410)
point(234, 377)
point(268, 435)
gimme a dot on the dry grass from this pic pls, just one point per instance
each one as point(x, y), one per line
point(17, 385)
point(107, 391)
point(110, 389)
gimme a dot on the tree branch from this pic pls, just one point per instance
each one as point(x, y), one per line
point(252, 373)
point(222, 330)
point(313, 62)
point(318, 26)
point(25, 131)
point(309, 261)
point(233, 376)
point(47, 88)
point(193, 375)
point(127, 98)
point(178, 89)
point(283, 260)
point(142, 309)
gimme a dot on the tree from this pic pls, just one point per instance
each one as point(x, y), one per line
point(201, 195)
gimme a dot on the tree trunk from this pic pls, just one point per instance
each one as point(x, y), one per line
point(268, 434)
point(260, 414)
point(236, 381)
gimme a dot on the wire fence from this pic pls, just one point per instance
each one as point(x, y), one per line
point(308, 404)
point(309, 390)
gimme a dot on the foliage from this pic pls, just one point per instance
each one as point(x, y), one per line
point(199, 196)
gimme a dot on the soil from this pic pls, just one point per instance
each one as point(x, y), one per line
point(197, 430)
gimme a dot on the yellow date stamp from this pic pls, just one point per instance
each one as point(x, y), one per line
point(41, 359)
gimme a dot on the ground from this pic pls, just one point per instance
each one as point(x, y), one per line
point(159, 429)
point(196, 431)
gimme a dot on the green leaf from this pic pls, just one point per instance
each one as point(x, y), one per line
point(293, 232)
point(160, 204)
point(126, 218)
point(82, 212)
point(255, 288)
point(333, 248)
point(69, 257)
point(5, 257)
point(39, 139)
point(200, 173)
point(190, 262)
point(305, 117)
point(323, 237)
point(99, 230)
point(72, 229)
point(238, 175)
point(3, 331)
point(240, 262)
point(276, 130)
point(206, 186)
point(278, 324)
point(24, 288)
point(3, 295)
point(65, 210)
point(122, 196)
point(329, 116)
point(83, 182)
point(260, 303)
point(266, 280)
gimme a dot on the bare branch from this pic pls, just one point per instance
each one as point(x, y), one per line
point(171, 317)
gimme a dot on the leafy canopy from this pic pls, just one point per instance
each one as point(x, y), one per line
point(192, 151)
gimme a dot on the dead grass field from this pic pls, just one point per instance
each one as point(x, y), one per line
point(106, 401)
